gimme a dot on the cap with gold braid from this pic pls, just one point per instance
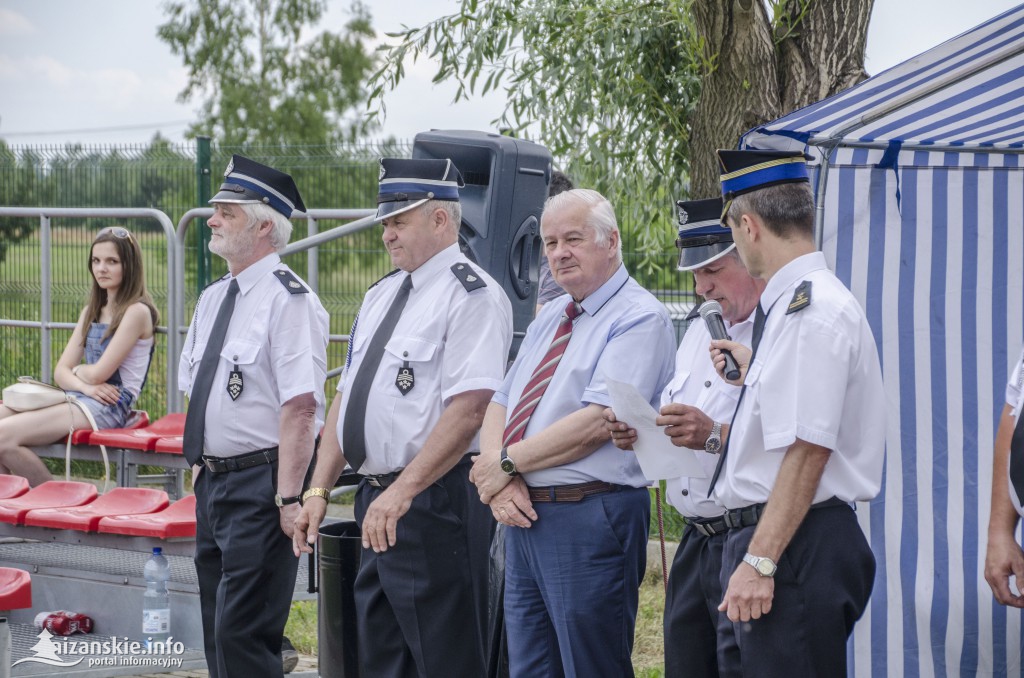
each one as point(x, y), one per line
point(752, 170)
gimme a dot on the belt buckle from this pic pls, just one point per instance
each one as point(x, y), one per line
point(730, 519)
point(373, 481)
point(703, 529)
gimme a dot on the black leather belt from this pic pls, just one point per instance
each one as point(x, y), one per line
point(709, 527)
point(749, 515)
point(384, 480)
point(242, 461)
point(576, 492)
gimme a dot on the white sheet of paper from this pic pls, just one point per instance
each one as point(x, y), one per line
point(659, 458)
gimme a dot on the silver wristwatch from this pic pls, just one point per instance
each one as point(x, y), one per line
point(714, 442)
point(764, 566)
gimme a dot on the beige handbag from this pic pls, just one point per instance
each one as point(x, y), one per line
point(29, 394)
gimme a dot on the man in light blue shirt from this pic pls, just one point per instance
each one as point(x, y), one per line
point(577, 507)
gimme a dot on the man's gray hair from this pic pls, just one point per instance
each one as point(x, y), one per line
point(600, 215)
point(451, 207)
point(280, 233)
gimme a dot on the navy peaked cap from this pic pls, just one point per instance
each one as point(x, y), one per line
point(247, 181)
point(702, 236)
point(408, 183)
point(752, 170)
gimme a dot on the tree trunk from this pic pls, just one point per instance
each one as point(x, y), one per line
point(823, 52)
point(758, 73)
point(739, 91)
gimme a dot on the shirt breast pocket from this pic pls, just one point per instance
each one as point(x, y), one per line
point(240, 352)
point(676, 385)
point(410, 359)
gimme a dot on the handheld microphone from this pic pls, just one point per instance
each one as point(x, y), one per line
point(711, 311)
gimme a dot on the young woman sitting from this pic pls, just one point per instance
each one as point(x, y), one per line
point(114, 335)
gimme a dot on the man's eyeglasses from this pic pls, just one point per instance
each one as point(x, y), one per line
point(116, 231)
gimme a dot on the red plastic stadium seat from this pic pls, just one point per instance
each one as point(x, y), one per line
point(140, 438)
point(137, 419)
point(177, 520)
point(15, 589)
point(12, 486)
point(51, 494)
point(169, 444)
point(118, 502)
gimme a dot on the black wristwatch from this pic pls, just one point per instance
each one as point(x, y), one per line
point(507, 465)
point(284, 501)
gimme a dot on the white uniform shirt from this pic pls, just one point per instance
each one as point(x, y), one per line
point(625, 334)
point(697, 384)
point(277, 339)
point(454, 340)
point(1015, 399)
point(816, 377)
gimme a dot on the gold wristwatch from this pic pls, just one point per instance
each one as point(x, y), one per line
point(322, 492)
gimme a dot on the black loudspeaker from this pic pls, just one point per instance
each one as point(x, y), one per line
point(506, 186)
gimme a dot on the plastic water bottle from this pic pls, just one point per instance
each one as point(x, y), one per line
point(156, 605)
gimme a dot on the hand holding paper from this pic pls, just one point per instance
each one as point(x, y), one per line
point(658, 457)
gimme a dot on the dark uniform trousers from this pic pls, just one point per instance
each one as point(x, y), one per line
point(422, 604)
point(692, 618)
point(822, 586)
point(246, 572)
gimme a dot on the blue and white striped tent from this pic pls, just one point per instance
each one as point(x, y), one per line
point(920, 192)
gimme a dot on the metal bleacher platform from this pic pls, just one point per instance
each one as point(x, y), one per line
point(86, 552)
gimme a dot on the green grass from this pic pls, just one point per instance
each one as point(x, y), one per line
point(648, 647)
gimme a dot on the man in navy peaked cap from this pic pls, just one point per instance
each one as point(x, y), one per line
point(807, 438)
point(696, 408)
point(248, 182)
point(427, 350)
point(254, 366)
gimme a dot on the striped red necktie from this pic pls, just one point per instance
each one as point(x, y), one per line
point(534, 391)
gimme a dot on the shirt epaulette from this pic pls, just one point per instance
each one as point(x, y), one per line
point(290, 282)
point(384, 277)
point(694, 314)
point(469, 278)
point(801, 298)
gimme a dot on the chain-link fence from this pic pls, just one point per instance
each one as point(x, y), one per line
point(176, 178)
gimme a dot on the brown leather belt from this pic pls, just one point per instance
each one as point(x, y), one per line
point(577, 492)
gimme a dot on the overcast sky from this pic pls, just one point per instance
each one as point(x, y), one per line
point(94, 71)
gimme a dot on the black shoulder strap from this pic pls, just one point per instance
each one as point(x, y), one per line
point(469, 278)
point(801, 298)
point(290, 282)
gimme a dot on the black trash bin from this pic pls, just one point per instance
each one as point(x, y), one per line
point(340, 548)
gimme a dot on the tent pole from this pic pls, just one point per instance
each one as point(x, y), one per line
point(819, 197)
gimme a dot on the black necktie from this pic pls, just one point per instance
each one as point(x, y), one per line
point(1017, 458)
point(354, 436)
point(759, 319)
point(195, 418)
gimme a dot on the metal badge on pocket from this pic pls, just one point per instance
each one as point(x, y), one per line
point(406, 379)
point(235, 384)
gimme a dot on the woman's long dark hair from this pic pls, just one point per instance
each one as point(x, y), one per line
point(133, 282)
